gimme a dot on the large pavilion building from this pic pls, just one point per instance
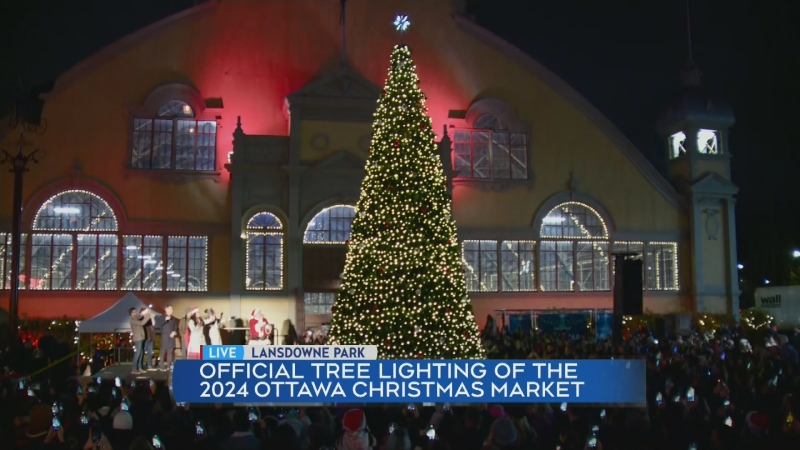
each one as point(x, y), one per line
point(214, 159)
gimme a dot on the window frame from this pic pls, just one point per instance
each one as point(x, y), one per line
point(572, 246)
point(251, 231)
point(162, 268)
point(318, 296)
point(51, 228)
point(174, 146)
point(491, 154)
point(329, 230)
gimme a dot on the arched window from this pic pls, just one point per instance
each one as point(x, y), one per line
point(573, 253)
point(74, 244)
point(174, 139)
point(332, 225)
point(491, 149)
point(264, 234)
point(175, 108)
point(323, 264)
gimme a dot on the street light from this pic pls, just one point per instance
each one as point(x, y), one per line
point(740, 266)
point(766, 281)
point(796, 253)
point(27, 116)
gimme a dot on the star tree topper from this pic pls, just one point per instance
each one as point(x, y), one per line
point(401, 23)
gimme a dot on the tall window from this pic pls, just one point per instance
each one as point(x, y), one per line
point(480, 258)
point(5, 261)
point(324, 255)
point(661, 266)
point(573, 253)
point(264, 233)
point(490, 151)
point(331, 225)
point(174, 139)
point(574, 256)
point(74, 244)
point(172, 263)
point(319, 303)
point(492, 266)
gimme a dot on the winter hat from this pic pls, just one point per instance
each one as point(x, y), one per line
point(255, 312)
point(757, 422)
point(123, 421)
point(497, 411)
point(40, 420)
point(503, 432)
point(356, 436)
point(354, 420)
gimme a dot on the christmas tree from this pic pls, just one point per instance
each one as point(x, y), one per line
point(403, 287)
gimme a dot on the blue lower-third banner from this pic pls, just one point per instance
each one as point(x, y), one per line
point(389, 381)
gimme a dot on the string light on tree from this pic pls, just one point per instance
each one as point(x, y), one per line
point(403, 286)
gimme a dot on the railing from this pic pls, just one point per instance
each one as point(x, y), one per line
point(597, 320)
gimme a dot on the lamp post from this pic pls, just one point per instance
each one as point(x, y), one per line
point(26, 117)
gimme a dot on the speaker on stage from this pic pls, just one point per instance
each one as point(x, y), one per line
point(628, 292)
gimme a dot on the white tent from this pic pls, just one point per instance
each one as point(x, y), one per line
point(115, 319)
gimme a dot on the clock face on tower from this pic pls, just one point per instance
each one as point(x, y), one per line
point(676, 145)
point(707, 142)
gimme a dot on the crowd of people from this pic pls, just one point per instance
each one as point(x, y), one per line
point(704, 391)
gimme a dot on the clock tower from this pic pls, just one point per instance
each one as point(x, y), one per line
point(694, 129)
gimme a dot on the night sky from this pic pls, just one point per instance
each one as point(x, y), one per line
point(624, 56)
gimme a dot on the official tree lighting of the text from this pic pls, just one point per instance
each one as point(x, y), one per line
point(396, 380)
point(293, 381)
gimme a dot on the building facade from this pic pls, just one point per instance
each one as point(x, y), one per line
point(214, 159)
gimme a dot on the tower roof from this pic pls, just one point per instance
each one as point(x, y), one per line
point(693, 103)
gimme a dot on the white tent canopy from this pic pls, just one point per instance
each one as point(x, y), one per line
point(115, 319)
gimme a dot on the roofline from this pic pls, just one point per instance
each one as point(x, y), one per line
point(662, 185)
point(127, 42)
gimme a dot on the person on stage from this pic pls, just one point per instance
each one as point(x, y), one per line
point(259, 328)
point(138, 336)
point(213, 323)
point(169, 331)
point(196, 340)
point(187, 333)
point(149, 342)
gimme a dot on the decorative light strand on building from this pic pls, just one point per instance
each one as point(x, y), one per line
point(47, 205)
point(328, 231)
point(266, 247)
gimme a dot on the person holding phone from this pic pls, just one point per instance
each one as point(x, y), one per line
point(56, 432)
point(97, 440)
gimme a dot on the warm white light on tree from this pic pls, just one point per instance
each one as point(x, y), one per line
point(403, 287)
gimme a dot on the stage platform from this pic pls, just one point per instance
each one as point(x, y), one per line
point(123, 371)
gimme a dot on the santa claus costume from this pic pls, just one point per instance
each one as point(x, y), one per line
point(356, 434)
point(260, 330)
